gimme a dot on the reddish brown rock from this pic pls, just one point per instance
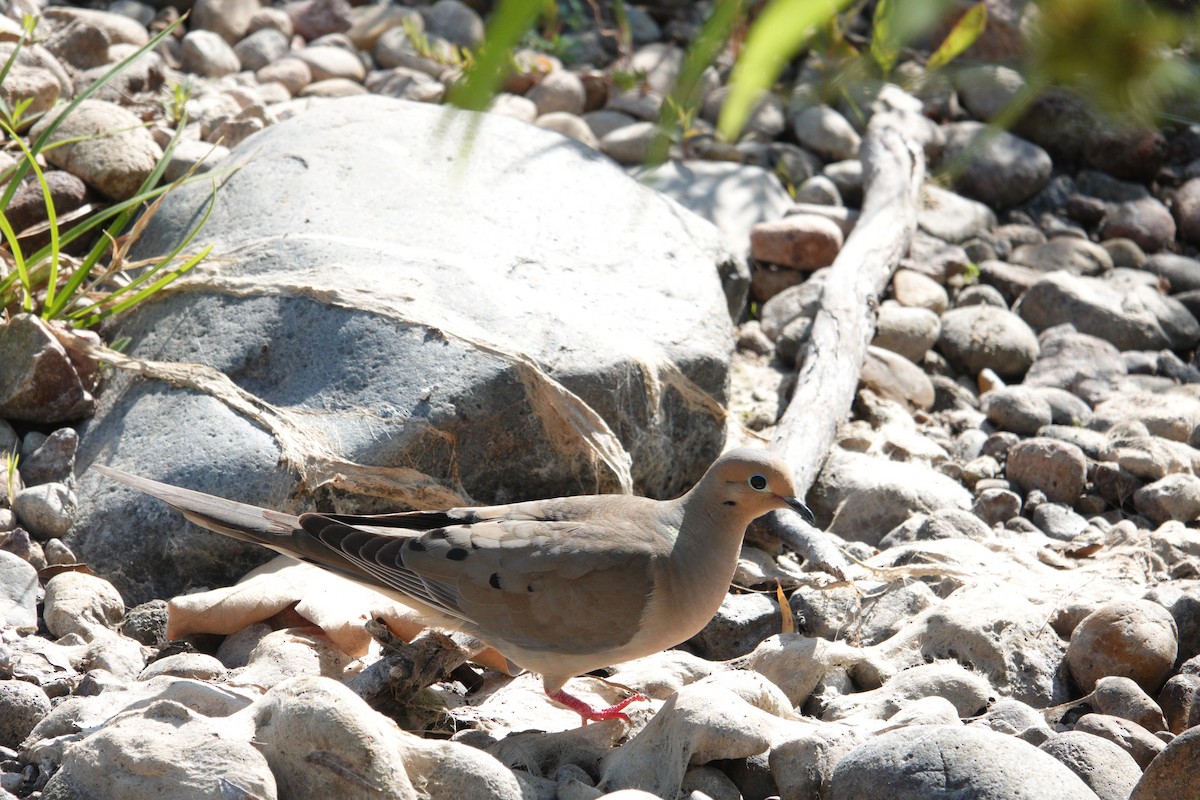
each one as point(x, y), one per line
point(1136, 639)
point(802, 242)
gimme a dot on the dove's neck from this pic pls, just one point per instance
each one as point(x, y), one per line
point(705, 554)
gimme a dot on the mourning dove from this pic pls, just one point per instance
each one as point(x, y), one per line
point(560, 586)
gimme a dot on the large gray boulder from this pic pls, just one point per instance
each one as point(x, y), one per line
point(419, 307)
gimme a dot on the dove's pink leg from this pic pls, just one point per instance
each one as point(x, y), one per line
point(589, 714)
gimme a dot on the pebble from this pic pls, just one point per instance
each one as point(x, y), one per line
point(939, 761)
point(46, 510)
point(914, 290)
point(1172, 774)
point(825, 132)
point(630, 144)
point(1020, 409)
point(1142, 745)
point(1146, 222)
point(1135, 639)
point(51, 460)
point(326, 63)
point(847, 177)
point(230, 19)
point(980, 337)
point(208, 54)
point(114, 164)
point(1058, 521)
point(819, 190)
point(569, 125)
point(999, 169)
point(454, 21)
point(995, 505)
point(560, 91)
point(1077, 256)
point(289, 71)
point(1119, 696)
point(801, 242)
point(406, 84)
point(1181, 273)
point(79, 603)
point(18, 592)
point(1174, 496)
point(261, 48)
point(1016, 719)
point(1186, 209)
point(987, 89)
point(952, 217)
point(22, 706)
point(1107, 769)
point(312, 19)
point(1131, 317)
point(1180, 699)
point(1056, 468)
point(907, 331)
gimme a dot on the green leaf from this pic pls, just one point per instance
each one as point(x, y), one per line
point(779, 33)
point(107, 307)
point(884, 44)
point(21, 272)
point(51, 216)
point(510, 20)
point(964, 33)
point(685, 97)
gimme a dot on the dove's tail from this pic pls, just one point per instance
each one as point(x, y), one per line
point(273, 529)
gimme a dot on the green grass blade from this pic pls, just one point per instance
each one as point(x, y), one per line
point(510, 20)
point(21, 273)
point(89, 316)
point(885, 46)
point(39, 144)
point(708, 45)
point(778, 34)
point(964, 33)
point(145, 192)
point(90, 311)
point(51, 215)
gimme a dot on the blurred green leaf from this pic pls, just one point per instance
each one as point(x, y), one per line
point(509, 22)
point(885, 45)
point(685, 98)
point(1120, 54)
point(961, 36)
point(780, 32)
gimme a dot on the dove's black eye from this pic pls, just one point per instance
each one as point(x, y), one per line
point(757, 482)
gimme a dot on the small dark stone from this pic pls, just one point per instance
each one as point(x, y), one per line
point(147, 623)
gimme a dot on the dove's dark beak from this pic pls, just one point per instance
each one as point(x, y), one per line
point(797, 505)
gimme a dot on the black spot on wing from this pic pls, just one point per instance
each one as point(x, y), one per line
point(494, 581)
point(456, 554)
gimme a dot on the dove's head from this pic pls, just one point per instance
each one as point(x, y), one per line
point(753, 481)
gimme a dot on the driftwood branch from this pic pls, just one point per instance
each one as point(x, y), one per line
point(893, 170)
point(390, 684)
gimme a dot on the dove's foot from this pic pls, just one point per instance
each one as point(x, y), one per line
point(588, 714)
